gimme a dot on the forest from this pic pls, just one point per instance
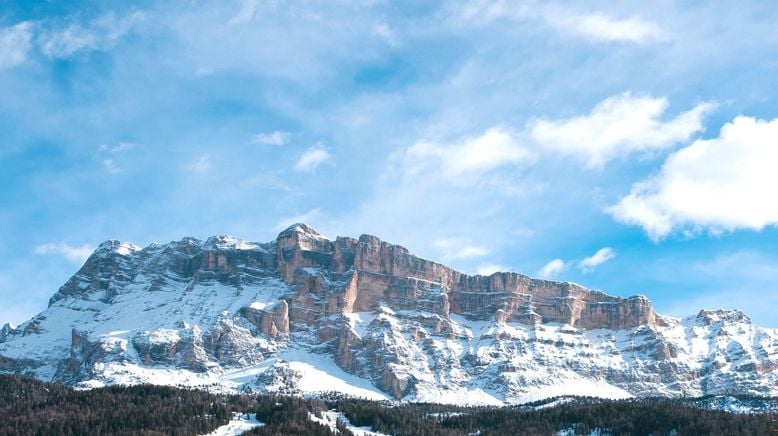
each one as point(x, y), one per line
point(32, 407)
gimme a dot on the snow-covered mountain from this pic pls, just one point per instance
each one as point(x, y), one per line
point(367, 318)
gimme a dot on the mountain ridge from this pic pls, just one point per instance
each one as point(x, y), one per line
point(371, 319)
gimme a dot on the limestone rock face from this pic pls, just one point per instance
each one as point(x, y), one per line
point(85, 353)
point(7, 330)
point(267, 316)
point(384, 273)
point(182, 347)
point(276, 322)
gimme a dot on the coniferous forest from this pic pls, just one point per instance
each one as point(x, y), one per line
point(32, 407)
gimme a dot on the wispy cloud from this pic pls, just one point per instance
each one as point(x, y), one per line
point(312, 158)
point(602, 255)
point(15, 43)
point(201, 164)
point(459, 248)
point(592, 26)
point(273, 138)
point(77, 255)
point(464, 161)
point(248, 8)
point(111, 167)
point(103, 33)
point(552, 269)
point(599, 26)
point(108, 156)
point(617, 126)
point(383, 31)
point(55, 40)
point(118, 148)
point(487, 269)
point(555, 267)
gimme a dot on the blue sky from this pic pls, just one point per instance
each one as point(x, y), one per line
point(630, 150)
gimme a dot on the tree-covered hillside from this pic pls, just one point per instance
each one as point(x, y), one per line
point(32, 407)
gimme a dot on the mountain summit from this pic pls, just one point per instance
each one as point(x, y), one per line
point(367, 318)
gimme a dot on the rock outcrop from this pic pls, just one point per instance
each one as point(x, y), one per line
point(236, 314)
point(6, 330)
point(372, 272)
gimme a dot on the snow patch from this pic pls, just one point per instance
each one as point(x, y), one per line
point(319, 374)
point(331, 417)
point(574, 387)
point(464, 396)
point(239, 424)
point(359, 321)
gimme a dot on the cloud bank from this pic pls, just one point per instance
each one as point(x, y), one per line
point(617, 126)
point(721, 184)
point(77, 255)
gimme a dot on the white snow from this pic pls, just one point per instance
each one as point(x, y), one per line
point(164, 336)
point(358, 321)
point(463, 396)
point(572, 432)
point(574, 387)
point(319, 374)
point(239, 424)
point(330, 419)
point(126, 248)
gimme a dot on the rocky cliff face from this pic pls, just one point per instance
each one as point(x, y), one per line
point(377, 272)
point(365, 317)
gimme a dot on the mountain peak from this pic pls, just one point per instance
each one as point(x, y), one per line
point(299, 228)
point(709, 317)
point(119, 247)
point(7, 329)
point(229, 242)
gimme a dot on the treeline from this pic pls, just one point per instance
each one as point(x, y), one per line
point(290, 416)
point(31, 407)
point(581, 416)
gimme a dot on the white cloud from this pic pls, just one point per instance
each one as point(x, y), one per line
point(487, 269)
point(67, 41)
point(201, 164)
point(462, 161)
point(557, 266)
point(111, 166)
point(595, 26)
point(312, 158)
point(601, 27)
point(108, 155)
point(305, 218)
point(458, 248)
point(720, 184)
point(600, 257)
point(118, 148)
point(552, 269)
point(101, 34)
point(15, 43)
point(383, 31)
point(246, 13)
point(77, 255)
point(273, 138)
point(618, 125)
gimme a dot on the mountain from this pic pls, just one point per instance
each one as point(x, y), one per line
point(368, 318)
